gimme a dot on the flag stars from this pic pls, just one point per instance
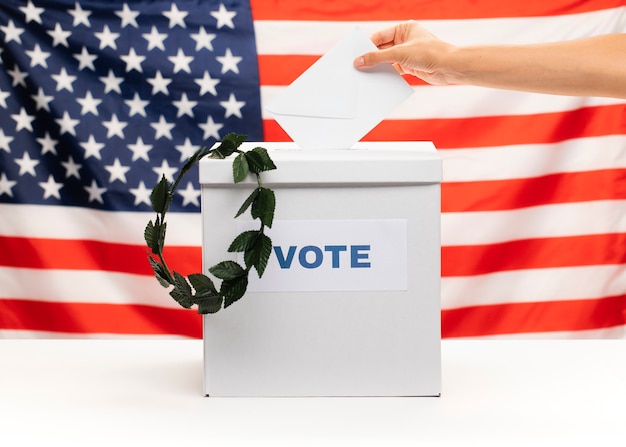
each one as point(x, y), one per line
point(159, 83)
point(117, 171)
point(23, 120)
point(186, 150)
point(232, 106)
point(47, 144)
point(67, 124)
point(165, 170)
point(115, 127)
point(176, 16)
point(64, 80)
point(27, 165)
point(140, 150)
point(18, 76)
point(12, 33)
point(5, 141)
point(181, 61)
point(51, 188)
point(59, 36)
point(111, 83)
point(85, 60)
point(142, 194)
point(203, 39)
point(155, 39)
point(211, 129)
point(38, 57)
point(89, 104)
point(128, 16)
point(190, 195)
point(71, 168)
point(31, 12)
point(137, 105)
point(3, 98)
point(207, 84)
point(229, 62)
point(95, 192)
point(41, 100)
point(92, 148)
point(133, 61)
point(185, 106)
point(6, 185)
point(224, 17)
point(107, 38)
point(162, 128)
point(81, 16)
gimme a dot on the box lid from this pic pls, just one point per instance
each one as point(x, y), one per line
point(365, 163)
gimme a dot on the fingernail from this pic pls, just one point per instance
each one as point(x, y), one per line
point(359, 62)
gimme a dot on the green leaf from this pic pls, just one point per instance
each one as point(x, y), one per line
point(151, 236)
point(160, 196)
point(235, 138)
point(209, 304)
point(232, 290)
point(258, 255)
point(246, 204)
point(226, 270)
point(263, 206)
point(202, 284)
point(240, 168)
point(159, 272)
point(243, 241)
point(262, 160)
point(182, 291)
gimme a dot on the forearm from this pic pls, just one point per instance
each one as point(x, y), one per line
point(587, 67)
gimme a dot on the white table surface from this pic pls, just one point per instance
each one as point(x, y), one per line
point(149, 392)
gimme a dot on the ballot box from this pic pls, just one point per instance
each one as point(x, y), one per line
point(349, 304)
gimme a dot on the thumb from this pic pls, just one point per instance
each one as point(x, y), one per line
point(372, 58)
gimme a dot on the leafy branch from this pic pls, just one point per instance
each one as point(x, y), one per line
point(199, 289)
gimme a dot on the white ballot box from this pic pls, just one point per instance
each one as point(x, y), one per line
point(349, 304)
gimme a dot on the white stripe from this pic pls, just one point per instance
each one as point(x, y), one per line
point(28, 334)
point(184, 229)
point(617, 332)
point(80, 286)
point(558, 220)
point(317, 37)
point(534, 285)
point(534, 160)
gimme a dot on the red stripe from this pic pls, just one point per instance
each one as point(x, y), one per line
point(67, 254)
point(552, 316)
point(85, 318)
point(491, 131)
point(282, 70)
point(467, 260)
point(607, 184)
point(374, 10)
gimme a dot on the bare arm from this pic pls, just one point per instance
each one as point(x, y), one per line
point(595, 66)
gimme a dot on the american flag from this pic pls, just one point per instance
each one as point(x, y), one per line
point(99, 98)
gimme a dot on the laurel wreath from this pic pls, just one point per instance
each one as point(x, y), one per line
point(197, 288)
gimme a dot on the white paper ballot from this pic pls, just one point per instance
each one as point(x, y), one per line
point(333, 105)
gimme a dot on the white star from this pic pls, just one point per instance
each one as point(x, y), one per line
point(38, 57)
point(229, 62)
point(27, 164)
point(95, 192)
point(115, 127)
point(71, 168)
point(23, 120)
point(162, 128)
point(142, 194)
point(42, 101)
point(190, 195)
point(80, 16)
point(203, 39)
point(67, 124)
point(31, 12)
point(137, 106)
point(181, 61)
point(107, 38)
point(11, 32)
point(89, 104)
point(224, 17)
point(3, 98)
point(159, 83)
point(64, 81)
point(232, 106)
point(92, 148)
point(5, 141)
point(117, 171)
point(211, 129)
point(155, 39)
point(19, 77)
point(184, 106)
point(165, 170)
point(186, 150)
point(140, 150)
point(207, 84)
point(128, 16)
point(6, 185)
point(111, 83)
point(51, 188)
point(85, 60)
point(176, 16)
point(59, 36)
point(47, 144)
point(133, 61)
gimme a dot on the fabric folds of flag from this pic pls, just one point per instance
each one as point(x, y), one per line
point(98, 99)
